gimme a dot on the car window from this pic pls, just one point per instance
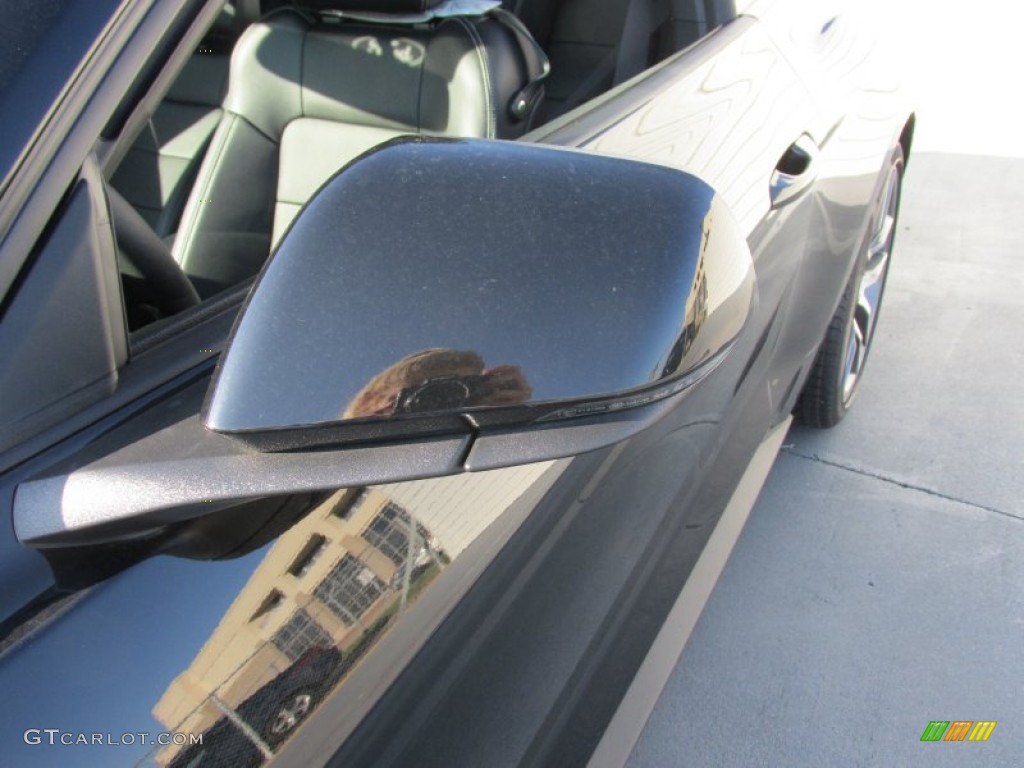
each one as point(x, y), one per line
point(156, 167)
point(158, 170)
point(62, 334)
point(217, 177)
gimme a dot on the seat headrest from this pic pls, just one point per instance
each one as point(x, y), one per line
point(372, 6)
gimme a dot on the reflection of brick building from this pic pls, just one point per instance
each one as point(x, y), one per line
point(322, 584)
point(335, 575)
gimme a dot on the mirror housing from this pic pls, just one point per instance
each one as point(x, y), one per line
point(460, 287)
point(439, 306)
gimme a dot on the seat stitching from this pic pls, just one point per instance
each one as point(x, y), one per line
point(419, 94)
point(302, 73)
point(478, 46)
point(192, 209)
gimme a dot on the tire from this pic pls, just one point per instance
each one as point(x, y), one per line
point(836, 374)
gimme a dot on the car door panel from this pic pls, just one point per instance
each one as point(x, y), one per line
point(614, 503)
point(538, 687)
point(621, 498)
point(602, 544)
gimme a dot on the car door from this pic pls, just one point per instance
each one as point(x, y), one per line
point(861, 113)
point(127, 649)
point(499, 580)
point(490, 617)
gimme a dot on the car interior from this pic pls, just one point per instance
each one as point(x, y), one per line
point(280, 96)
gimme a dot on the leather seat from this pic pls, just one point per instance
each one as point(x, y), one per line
point(308, 92)
point(594, 45)
point(157, 172)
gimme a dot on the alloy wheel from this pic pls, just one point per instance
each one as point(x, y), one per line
point(290, 714)
point(868, 295)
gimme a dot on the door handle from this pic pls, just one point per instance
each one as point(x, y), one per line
point(795, 172)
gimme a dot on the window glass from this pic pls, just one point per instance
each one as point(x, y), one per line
point(301, 634)
point(350, 589)
point(307, 556)
point(270, 602)
point(390, 532)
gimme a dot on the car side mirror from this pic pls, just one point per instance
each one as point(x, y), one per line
point(439, 306)
point(439, 287)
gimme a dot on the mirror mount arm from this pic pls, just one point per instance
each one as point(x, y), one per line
point(185, 472)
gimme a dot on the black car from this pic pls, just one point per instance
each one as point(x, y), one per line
point(374, 375)
point(248, 732)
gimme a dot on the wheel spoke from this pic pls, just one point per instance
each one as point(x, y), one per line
point(869, 288)
point(288, 716)
point(856, 351)
point(883, 235)
point(302, 704)
point(285, 721)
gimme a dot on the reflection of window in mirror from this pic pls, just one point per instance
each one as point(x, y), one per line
point(350, 589)
point(300, 634)
point(346, 502)
point(307, 556)
point(389, 532)
point(270, 602)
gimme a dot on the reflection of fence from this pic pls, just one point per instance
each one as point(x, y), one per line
point(252, 713)
point(250, 733)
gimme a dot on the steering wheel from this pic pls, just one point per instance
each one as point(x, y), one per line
point(165, 286)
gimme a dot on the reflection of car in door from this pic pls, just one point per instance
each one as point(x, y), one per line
point(269, 715)
point(414, 353)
